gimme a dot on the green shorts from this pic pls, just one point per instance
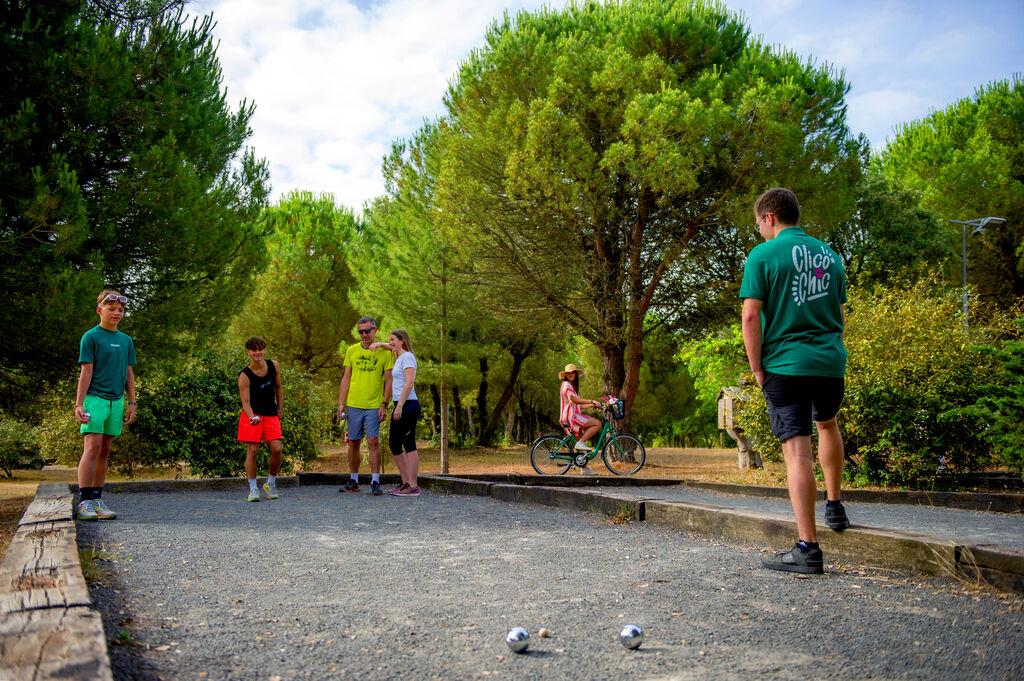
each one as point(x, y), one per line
point(105, 416)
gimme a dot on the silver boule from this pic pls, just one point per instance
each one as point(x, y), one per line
point(631, 636)
point(517, 639)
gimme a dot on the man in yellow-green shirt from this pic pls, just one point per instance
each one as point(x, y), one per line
point(363, 399)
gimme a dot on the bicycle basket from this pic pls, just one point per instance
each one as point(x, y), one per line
point(618, 409)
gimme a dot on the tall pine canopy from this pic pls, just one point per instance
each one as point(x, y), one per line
point(605, 158)
point(122, 165)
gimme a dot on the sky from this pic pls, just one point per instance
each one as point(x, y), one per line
point(335, 82)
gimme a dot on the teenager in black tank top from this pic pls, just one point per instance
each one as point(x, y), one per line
point(262, 390)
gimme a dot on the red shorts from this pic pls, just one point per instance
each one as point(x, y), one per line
point(269, 428)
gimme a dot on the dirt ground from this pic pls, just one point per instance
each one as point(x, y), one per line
point(696, 464)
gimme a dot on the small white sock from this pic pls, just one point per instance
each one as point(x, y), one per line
point(252, 484)
point(375, 477)
point(271, 479)
point(354, 476)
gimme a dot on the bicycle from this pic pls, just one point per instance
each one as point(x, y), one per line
point(623, 453)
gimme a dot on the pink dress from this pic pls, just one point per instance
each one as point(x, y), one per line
point(569, 413)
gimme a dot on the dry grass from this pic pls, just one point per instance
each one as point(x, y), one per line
point(718, 465)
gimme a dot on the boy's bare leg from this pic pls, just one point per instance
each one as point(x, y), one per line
point(275, 456)
point(92, 468)
point(251, 450)
point(830, 455)
point(800, 479)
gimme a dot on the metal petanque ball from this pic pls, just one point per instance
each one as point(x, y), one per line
point(631, 636)
point(518, 639)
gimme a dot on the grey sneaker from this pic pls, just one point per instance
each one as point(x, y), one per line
point(835, 517)
point(795, 560)
point(254, 495)
point(270, 490)
point(375, 489)
point(102, 511)
point(587, 470)
point(85, 511)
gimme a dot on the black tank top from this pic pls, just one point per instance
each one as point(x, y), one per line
point(262, 391)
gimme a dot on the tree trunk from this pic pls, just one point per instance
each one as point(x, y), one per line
point(510, 421)
point(460, 417)
point(518, 357)
point(481, 394)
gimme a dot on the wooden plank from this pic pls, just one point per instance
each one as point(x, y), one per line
point(52, 490)
point(42, 546)
point(48, 510)
point(40, 589)
point(53, 644)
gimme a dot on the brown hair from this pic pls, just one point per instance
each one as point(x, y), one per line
point(780, 201)
point(255, 343)
point(404, 337)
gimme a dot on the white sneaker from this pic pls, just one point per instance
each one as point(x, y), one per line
point(254, 495)
point(102, 511)
point(587, 470)
point(85, 511)
point(582, 446)
point(270, 491)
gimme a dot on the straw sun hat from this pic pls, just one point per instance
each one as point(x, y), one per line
point(568, 368)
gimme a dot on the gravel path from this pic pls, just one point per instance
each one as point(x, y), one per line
point(319, 585)
point(981, 527)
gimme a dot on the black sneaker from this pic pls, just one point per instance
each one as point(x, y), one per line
point(375, 489)
point(835, 517)
point(350, 486)
point(795, 560)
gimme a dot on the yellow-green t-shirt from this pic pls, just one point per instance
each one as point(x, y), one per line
point(366, 384)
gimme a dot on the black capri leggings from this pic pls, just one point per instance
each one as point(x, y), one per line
point(403, 431)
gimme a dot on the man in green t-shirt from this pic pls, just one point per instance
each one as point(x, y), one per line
point(362, 399)
point(106, 357)
point(793, 293)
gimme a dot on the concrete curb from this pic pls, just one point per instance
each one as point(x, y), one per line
point(49, 629)
point(218, 484)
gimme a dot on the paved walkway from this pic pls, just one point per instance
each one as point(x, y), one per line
point(319, 585)
point(981, 527)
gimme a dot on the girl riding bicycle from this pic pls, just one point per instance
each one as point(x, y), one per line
point(570, 412)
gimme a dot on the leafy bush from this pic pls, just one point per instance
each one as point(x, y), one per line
point(19, 442)
point(1000, 410)
point(912, 370)
point(192, 416)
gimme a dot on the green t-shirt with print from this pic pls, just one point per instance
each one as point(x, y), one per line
point(801, 284)
point(366, 384)
point(110, 353)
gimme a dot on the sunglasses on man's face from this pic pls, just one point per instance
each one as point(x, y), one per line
point(362, 331)
point(114, 298)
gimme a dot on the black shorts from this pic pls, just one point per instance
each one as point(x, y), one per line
point(402, 436)
point(794, 401)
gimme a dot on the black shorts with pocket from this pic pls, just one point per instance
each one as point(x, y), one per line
point(795, 401)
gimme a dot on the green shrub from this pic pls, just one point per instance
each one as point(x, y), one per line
point(19, 444)
point(912, 370)
point(999, 412)
point(192, 417)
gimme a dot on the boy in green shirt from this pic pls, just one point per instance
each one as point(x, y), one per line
point(793, 292)
point(362, 399)
point(106, 357)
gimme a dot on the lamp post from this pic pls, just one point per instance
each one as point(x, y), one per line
point(979, 227)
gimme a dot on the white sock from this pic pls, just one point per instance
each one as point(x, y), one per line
point(271, 479)
point(252, 484)
point(375, 477)
point(354, 476)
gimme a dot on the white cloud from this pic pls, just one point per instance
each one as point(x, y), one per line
point(336, 82)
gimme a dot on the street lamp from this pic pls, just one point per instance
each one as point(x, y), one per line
point(979, 227)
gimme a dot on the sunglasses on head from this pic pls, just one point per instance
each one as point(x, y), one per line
point(114, 298)
point(362, 331)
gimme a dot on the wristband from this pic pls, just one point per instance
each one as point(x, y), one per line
point(131, 403)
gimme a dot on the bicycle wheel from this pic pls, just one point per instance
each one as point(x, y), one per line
point(624, 454)
point(549, 456)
